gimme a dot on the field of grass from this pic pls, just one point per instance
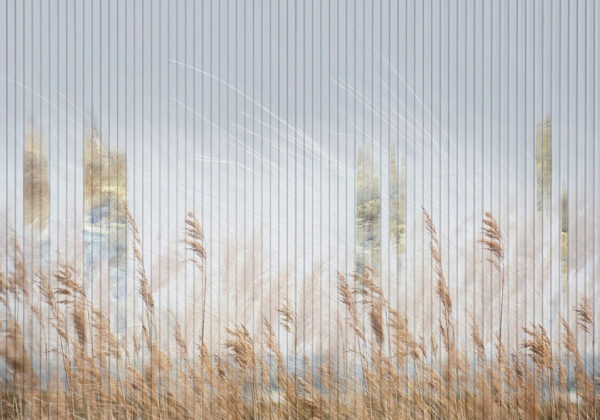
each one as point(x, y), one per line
point(388, 372)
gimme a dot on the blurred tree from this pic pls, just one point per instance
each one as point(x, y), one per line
point(105, 223)
point(368, 215)
point(398, 208)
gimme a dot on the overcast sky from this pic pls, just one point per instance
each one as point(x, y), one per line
point(251, 113)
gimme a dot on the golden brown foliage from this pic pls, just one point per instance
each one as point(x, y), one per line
point(101, 375)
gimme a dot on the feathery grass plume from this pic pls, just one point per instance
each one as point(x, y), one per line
point(179, 340)
point(447, 322)
point(311, 403)
point(79, 321)
point(184, 355)
point(143, 285)
point(285, 380)
point(287, 315)
point(494, 243)
point(583, 383)
point(585, 320)
point(562, 400)
point(106, 343)
point(501, 377)
point(326, 375)
point(380, 363)
point(59, 324)
point(68, 286)
point(441, 286)
point(376, 307)
point(477, 341)
point(539, 346)
point(347, 298)
point(242, 347)
point(584, 314)
point(375, 314)
point(205, 363)
point(492, 239)
point(527, 403)
point(287, 319)
point(16, 279)
point(14, 353)
point(194, 239)
point(564, 240)
point(272, 344)
point(540, 350)
point(402, 339)
point(49, 298)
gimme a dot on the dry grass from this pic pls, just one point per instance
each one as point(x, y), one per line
point(389, 370)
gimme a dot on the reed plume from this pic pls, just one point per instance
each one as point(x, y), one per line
point(441, 289)
point(194, 237)
point(493, 243)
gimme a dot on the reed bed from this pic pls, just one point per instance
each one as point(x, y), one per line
point(388, 372)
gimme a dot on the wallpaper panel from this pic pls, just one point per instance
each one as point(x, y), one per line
point(284, 192)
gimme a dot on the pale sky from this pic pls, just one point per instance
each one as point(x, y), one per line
point(251, 113)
